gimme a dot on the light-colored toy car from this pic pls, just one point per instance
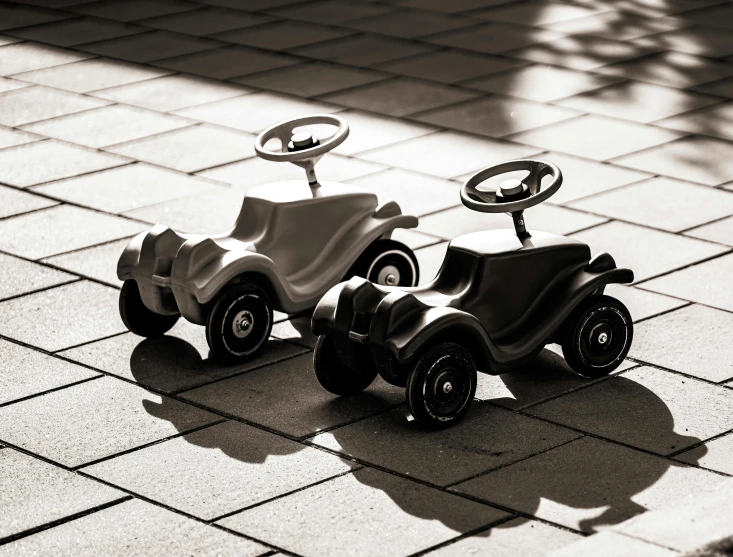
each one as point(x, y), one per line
point(291, 242)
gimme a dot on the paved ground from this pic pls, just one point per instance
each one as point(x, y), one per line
point(116, 114)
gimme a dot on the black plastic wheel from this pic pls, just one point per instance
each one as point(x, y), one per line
point(388, 263)
point(597, 336)
point(240, 322)
point(441, 386)
point(332, 371)
point(138, 318)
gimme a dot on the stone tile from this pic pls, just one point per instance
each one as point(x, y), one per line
point(536, 12)
point(15, 202)
point(28, 372)
point(663, 412)
point(225, 63)
point(646, 252)
point(297, 330)
point(673, 69)
point(488, 438)
point(172, 92)
point(20, 16)
point(253, 5)
point(618, 25)
point(43, 161)
point(545, 377)
point(410, 23)
point(108, 125)
point(26, 57)
point(98, 262)
point(190, 149)
point(227, 467)
point(253, 172)
point(714, 455)
point(582, 177)
point(714, 43)
point(11, 138)
point(257, 397)
point(71, 32)
point(31, 104)
point(8, 84)
point(541, 83)
point(608, 543)
point(35, 493)
point(497, 116)
point(309, 80)
point(706, 283)
point(447, 154)
point(414, 240)
point(642, 303)
point(450, 66)
point(720, 231)
point(179, 360)
point(581, 52)
point(639, 102)
point(94, 420)
point(417, 194)
point(458, 221)
point(18, 276)
point(149, 46)
point(255, 112)
point(519, 536)
point(134, 527)
point(662, 203)
point(547, 485)
point(366, 511)
point(430, 259)
point(401, 96)
point(364, 50)
point(697, 159)
point(369, 131)
point(283, 35)
point(493, 38)
point(75, 313)
point(715, 121)
point(451, 7)
point(5, 40)
point(90, 75)
point(330, 11)
point(716, 16)
point(131, 10)
point(126, 187)
point(595, 137)
point(209, 213)
point(206, 21)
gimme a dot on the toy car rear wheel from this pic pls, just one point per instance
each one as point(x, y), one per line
point(239, 323)
point(597, 336)
point(388, 263)
point(138, 318)
point(441, 386)
point(332, 371)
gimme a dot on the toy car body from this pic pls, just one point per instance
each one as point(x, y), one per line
point(499, 297)
point(291, 242)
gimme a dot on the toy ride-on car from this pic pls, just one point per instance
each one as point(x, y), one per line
point(290, 243)
point(499, 297)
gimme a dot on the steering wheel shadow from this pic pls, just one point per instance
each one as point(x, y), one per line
point(573, 474)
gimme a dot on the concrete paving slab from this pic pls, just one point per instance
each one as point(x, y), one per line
point(34, 103)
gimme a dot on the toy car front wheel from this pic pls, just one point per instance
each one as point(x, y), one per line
point(441, 386)
point(138, 318)
point(597, 336)
point(336, 376)
point(239, 323)
point(388, 263)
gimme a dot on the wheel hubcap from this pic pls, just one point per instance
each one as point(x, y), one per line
point(389, 276)
point(243, 323)
point(447, 387)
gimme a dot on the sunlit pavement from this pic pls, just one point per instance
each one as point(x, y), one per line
point(116, 114)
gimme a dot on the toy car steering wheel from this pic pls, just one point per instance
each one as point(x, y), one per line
point(513, 196)
point(302, 149)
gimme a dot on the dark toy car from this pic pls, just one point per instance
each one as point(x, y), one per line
point(499, 297)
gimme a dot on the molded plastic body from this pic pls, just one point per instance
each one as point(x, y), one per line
point(295, 240)
point(501, 296)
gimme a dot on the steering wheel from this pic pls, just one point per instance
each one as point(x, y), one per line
point(512, 195)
